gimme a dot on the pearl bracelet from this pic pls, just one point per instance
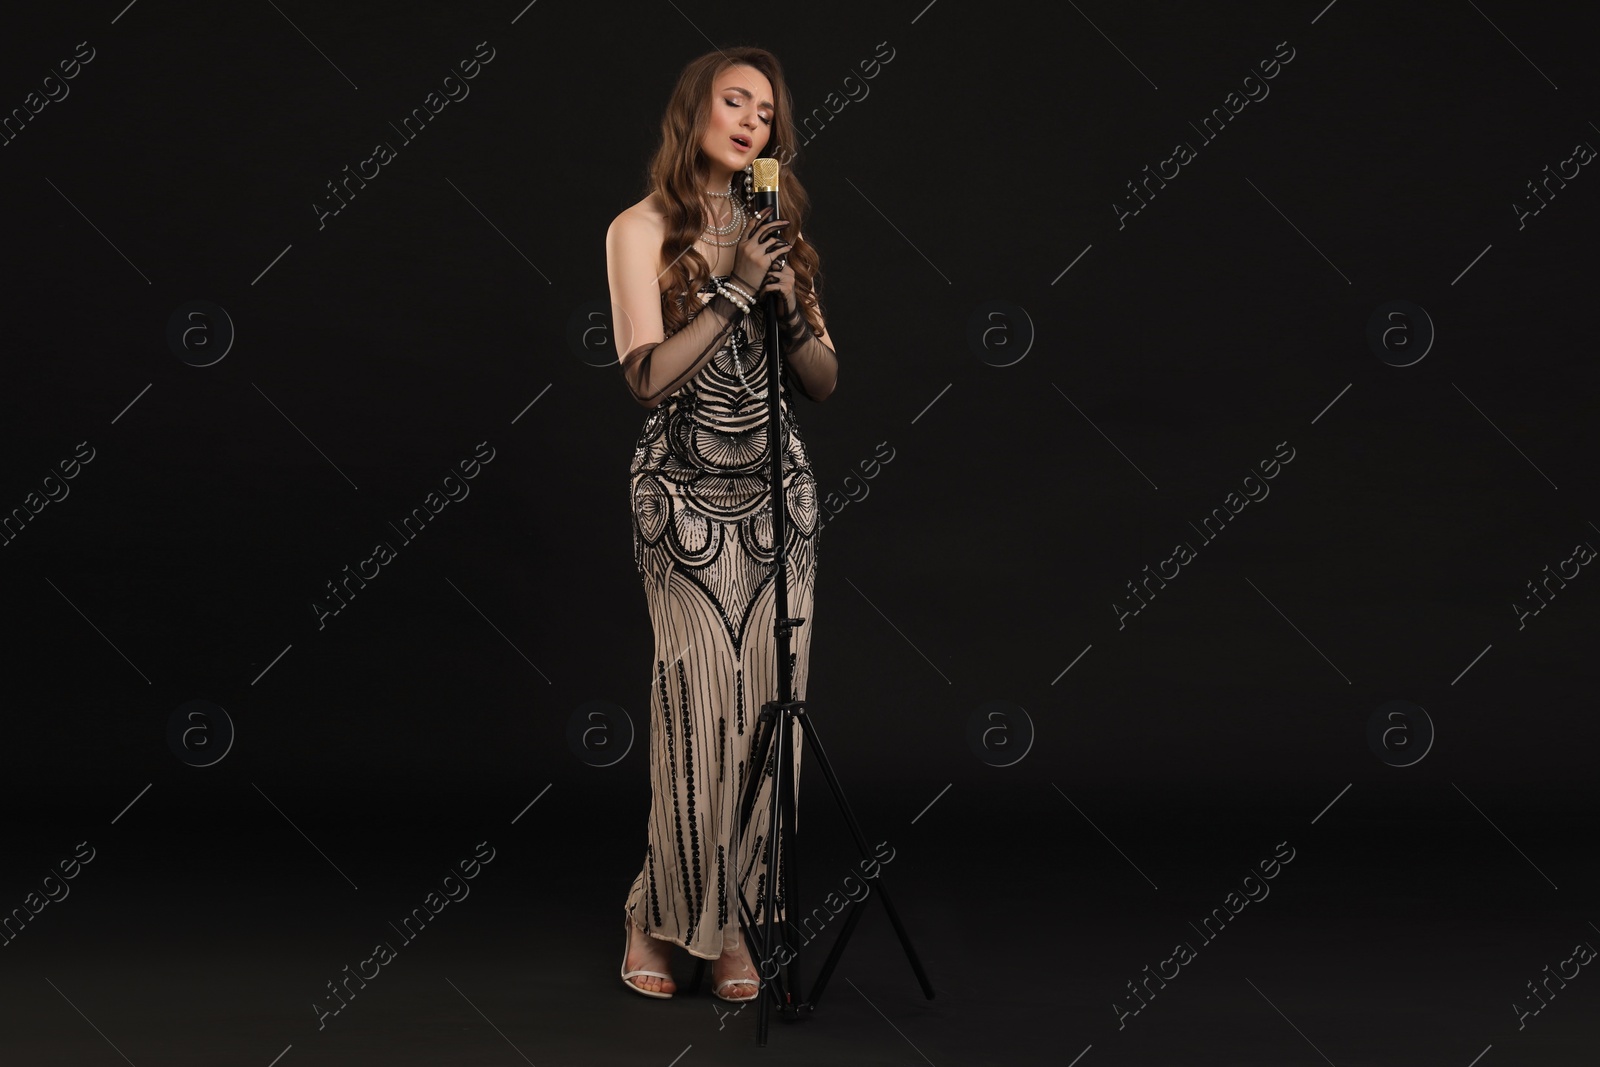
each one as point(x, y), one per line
point(736, 299)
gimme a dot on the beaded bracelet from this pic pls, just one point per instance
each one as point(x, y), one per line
point(747, 294)
point(736, 299)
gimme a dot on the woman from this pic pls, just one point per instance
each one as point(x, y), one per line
point(701, 499)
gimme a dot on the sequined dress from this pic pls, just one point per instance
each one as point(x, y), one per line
point(702, 533)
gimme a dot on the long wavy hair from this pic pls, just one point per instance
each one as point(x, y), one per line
point(679, 171)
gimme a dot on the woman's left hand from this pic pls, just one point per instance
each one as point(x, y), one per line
point(780, 280)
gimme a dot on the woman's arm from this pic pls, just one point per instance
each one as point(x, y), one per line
point(812, 364)
point(655, 366)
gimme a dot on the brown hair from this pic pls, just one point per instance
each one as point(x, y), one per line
point(678, 173)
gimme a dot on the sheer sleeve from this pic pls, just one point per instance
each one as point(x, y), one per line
point(654, 371)
point(812, 366)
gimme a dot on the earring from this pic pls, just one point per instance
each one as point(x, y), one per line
point(749, 199)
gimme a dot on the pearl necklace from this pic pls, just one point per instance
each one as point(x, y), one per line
point(735, 349)
point(734, 225)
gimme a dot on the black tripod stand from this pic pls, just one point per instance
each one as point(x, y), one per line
point(776, 724)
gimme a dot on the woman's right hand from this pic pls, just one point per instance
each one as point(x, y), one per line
point(752, 259)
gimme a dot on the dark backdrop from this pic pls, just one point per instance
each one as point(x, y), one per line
point(1373, 266)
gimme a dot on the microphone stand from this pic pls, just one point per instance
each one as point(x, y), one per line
point(776, 723)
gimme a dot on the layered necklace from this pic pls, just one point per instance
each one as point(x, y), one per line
point(734, 225)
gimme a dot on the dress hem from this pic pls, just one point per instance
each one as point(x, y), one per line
point(667, 938)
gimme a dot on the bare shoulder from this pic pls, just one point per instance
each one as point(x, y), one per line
point(640, 227)
point(640, 220)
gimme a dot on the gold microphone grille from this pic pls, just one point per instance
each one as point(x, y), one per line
point(764, 175)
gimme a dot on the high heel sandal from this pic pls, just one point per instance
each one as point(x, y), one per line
point(627, 974)
point(727, 982)
point(737, 981)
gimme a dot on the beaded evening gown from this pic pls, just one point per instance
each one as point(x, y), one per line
point(702, 533)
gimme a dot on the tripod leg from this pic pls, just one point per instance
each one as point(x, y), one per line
point(809, 728)
point(761, 756)
point(769, 893)
point(788, 873)
point(760, 742)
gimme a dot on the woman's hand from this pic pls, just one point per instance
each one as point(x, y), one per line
point(780, 280)
point(752, 261)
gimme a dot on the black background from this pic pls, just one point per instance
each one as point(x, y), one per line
point(438, 310)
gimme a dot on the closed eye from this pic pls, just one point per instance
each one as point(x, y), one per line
point(734, 102)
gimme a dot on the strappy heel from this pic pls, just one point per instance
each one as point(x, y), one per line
point(720, 986)
point(627, 974)
point(729, 982)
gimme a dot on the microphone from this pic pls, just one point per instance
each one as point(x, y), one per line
point(764, 190)
point(764, 193)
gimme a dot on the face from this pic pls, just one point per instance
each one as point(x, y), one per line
point(741, 107)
